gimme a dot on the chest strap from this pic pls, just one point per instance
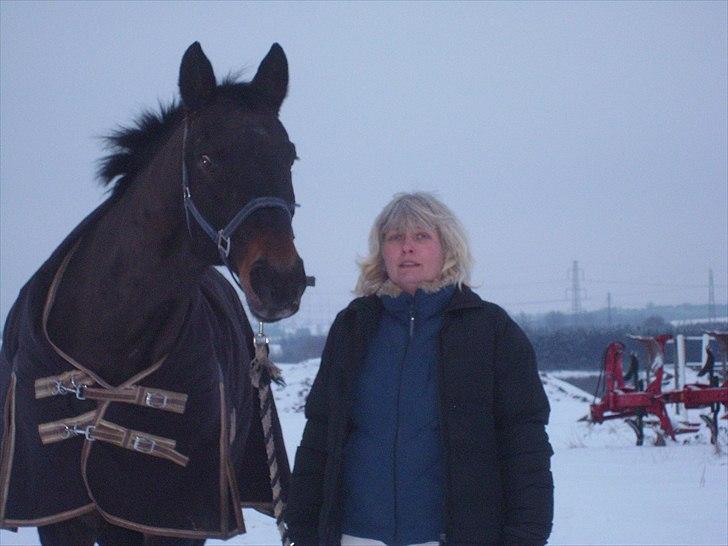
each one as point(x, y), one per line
point(108, 432)
point(77, 382)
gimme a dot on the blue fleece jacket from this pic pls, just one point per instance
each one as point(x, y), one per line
point(393, 458)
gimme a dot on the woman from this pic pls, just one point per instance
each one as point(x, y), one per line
point(425, 423)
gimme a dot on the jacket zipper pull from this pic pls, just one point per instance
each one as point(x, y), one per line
point(412, 323)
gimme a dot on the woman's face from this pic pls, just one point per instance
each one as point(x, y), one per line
point(412, 258)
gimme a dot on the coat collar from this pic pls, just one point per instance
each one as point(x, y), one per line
point(423, 303)
point(463, 298)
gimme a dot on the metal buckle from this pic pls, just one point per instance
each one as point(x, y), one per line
point(81, 431)
point(78, 388)
point(156, 400)
point(87, 433)
point(80, 392)
point(223, 243)
point(59, 388)
point(260, 340)
point(142, 444)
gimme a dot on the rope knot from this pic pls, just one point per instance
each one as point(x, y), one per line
point(263, 370)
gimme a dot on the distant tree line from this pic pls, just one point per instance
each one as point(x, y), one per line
point(649, 316)
point(565, 347)
point(582, 348)
point(300, 346)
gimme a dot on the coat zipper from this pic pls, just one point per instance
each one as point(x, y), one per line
point(396, 432)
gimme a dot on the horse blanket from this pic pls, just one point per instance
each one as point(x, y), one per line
point(176, 450)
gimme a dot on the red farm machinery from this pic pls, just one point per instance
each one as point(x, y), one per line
point(640, 405)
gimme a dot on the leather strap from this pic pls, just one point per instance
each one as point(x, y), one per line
point(78, 382)
point(105, 431)
point(51, 386)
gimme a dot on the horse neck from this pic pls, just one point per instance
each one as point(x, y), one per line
point(123, 298)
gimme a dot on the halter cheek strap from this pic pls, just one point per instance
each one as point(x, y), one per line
point(221, 237)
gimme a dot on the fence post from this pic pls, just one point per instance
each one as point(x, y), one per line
point(706, 344)
point(680, 375)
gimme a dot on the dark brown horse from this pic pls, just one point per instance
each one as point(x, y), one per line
point(124, 385)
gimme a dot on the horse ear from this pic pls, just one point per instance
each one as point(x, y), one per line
point(271, 80)
point(196, 78)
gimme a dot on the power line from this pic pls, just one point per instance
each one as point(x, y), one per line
point(711, 295)
point(519, 284)
point(576, 275)
point(533, 302)
point(609, 308)
point(659, 284)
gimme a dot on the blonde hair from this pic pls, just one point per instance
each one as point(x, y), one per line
point(407, 212)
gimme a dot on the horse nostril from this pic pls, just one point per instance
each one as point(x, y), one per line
point(275, 287)
point(259, 281)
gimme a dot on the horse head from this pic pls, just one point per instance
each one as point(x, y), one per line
point(237, 180)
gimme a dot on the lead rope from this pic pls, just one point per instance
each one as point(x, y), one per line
point(262, 372)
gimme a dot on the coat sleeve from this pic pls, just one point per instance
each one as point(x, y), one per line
point(521, 413)
point(307, 481)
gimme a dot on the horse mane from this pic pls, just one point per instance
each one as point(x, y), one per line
point(132, 147)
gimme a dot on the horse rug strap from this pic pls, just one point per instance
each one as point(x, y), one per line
point(86, 425)
point(89, 426)
point(78, 382)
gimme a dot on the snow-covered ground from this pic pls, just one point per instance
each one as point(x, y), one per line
point(608, 491)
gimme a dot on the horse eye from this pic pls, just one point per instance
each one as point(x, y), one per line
point(205, 161)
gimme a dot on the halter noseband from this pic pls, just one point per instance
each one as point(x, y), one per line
point(221, 237)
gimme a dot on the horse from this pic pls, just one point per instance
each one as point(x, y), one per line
point(127, 413)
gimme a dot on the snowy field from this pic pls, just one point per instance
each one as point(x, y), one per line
point(608, 491)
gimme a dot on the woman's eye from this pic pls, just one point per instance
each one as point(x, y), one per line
point(394, 237)
point(422, 236)
point(205, 161)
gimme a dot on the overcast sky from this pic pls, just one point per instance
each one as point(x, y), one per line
point(556, 131)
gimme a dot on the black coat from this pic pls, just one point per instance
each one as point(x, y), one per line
point(493, 412)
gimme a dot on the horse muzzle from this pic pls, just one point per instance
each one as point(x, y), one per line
point(275, 292)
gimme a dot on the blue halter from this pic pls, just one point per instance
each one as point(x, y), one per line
point(221, 237)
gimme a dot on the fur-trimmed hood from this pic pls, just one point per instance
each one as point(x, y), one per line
point(388, 288)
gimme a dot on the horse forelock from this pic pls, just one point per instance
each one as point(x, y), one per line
point(132, 147)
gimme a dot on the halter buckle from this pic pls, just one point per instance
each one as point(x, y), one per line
point(223, 243)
